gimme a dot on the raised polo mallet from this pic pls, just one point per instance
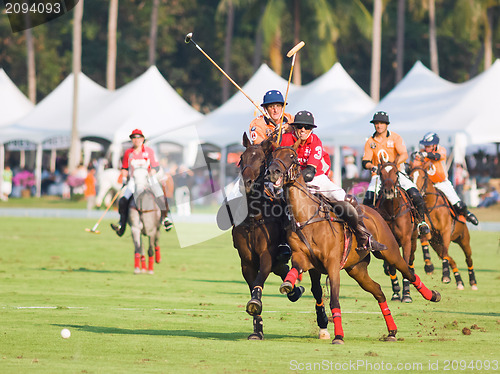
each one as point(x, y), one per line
point(189, 38)
point(291, 53)
point(94, 229)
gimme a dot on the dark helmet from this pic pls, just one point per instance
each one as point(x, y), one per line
point(304, 118)
point(136, 133)
point(431, 138)
point(380, 117)
point(273, 97)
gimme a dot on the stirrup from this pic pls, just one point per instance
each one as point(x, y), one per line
point(423, 228)
point(372, 245)
point(284, 253)
point(118, 229)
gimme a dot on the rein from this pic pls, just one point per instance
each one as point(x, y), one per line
point(402, 208)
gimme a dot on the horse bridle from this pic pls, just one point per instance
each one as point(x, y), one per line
point(293, 170)
point(397, 186)
point(424, 192)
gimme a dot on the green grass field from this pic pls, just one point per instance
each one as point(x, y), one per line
point(189, 317)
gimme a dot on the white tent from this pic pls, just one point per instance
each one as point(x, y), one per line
point(14, 104)
point(148, 103)
point(334, 98)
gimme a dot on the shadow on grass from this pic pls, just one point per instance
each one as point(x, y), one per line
point(486, 314)
point(210, 335)
point(84, 270)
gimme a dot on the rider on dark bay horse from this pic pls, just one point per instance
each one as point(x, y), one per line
point(387, 146)
point(314, 163)
point(435, 155)
point(139, 156)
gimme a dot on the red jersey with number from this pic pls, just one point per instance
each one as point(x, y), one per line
point(310, 153)
point(141, 158)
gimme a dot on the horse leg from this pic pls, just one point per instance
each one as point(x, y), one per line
point(258, 329)
point(334, 277)
point(390, 270)
point(411, 258)
point(407, 249)
point(359, 273)
point(157, 247)
point(254, 306)
point(321, 317)
point(442, 251)
point(464, 242)
point(135, 229)
point(281, 270)
point(428, 267)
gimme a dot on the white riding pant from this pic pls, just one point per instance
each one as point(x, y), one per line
point(447, 188)
point(153, 182)
point(325, 186)
point(403, 179)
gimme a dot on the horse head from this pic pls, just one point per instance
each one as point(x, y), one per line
point(388, 173)
point(141, 179)
point(419, 176)
point(284, 168)
point(253, 162)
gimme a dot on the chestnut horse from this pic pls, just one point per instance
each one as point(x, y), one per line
point(318, 244)
point(444, 229)
point(258, 236)
point(394, 205)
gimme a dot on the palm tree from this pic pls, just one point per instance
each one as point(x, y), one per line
point(227, 7)
point(376, 50)
point(111, 64)
point(74, 151)
point(30, 48)
point(153, 33)
point(400, 41)
point(433, 37)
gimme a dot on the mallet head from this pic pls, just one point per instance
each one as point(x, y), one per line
point(295, 49)
point(188, 37)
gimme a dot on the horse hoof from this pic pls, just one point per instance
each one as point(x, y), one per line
point(144, 271)
point(296, 294)
point(436, 296)
point(137, 271)
point(460, 286)
point(254, 307)
point(407, 299)
point(324, 334)
point(286, 287)
point(474, 287)
point(151, 272)
point(256, 336)
point(429, 269)
point(338, 340)
point(446, 280)
point(391, 338)
point(395, 297)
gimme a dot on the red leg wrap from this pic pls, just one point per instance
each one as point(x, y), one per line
point(151, 261)
point(137, 260)
point(426, 293)
point(143, 262)
point(389, 321)
point(157, 255)
point(292, 276)
point(337, 322)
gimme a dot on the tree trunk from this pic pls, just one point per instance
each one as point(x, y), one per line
point(112, 25)
point(376, 50)
point(433, 37)
point(275, 55)
point(259, 39)
point(297, 73)
point(400, 43)
point(153, 33)
point(227, 50)
point(488, 42)
point(30, 48)
point(74, 151)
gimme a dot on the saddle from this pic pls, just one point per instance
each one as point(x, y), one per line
point(455, 215)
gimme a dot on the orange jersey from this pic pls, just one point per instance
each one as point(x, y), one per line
point(260, 128)
point(386, 149)
point(437, 168)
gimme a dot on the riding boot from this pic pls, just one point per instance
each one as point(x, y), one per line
point(418, 202)
point(163, 204)
point(348, 212)
point(369, 197)
point(284, 253)
point(123, 211)
point(461, 208)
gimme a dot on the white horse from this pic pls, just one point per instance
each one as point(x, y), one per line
point(107, 180)
point(144, 219)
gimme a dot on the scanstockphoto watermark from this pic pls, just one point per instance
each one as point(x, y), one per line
point(365, 365)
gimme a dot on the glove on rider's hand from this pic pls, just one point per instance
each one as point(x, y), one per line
point(308, 173)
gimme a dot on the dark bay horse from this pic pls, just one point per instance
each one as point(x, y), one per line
point(318, 244)
point(144, 219)
point(445, 228)
point(258, 236)
point(394, 205)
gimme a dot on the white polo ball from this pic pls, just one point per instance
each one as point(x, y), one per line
point(65, 333)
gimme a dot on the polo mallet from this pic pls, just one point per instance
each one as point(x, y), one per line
point(291, 53)
point(189, 38)
point(94, 229)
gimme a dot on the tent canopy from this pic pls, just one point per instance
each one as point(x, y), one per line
point(14, 104)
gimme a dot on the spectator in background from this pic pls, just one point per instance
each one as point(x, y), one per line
point(90, 191)
point(489, 198)
point(6, 183)
point(460, 177)
point(350, 169)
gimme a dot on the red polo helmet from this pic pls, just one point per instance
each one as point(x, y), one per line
point(135, 133)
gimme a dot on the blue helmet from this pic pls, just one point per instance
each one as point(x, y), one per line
point(431, 138)
point(273, 97)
